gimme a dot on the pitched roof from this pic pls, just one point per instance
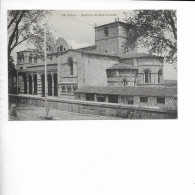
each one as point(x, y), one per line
point(131, 91)
point(61, 40)
point(122, 66)
point(28, 50)
point(100, 53)
point(136, 55)
point(87, 47)
point(39, 68)
point(123, 56)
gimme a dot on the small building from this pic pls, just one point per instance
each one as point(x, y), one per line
point(162, 97)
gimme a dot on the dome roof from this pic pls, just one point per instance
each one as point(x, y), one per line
point(61, 40)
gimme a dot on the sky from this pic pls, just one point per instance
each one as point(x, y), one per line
point(77, 28)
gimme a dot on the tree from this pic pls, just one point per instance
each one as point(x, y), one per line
point(26, 26)
point(155, 30)
point(12, 75)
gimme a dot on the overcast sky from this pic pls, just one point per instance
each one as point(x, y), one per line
point(77, 28)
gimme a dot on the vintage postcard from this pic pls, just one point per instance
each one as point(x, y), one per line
point(93, 71)
point(93, 64)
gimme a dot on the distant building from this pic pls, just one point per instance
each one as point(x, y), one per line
point(107, 63)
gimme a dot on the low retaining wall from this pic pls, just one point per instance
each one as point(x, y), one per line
point(96, 108)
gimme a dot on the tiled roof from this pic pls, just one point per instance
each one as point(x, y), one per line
point(131, 91)
point(28, 50)
point(123, 56)
point(122, 66)
point(136, 55)
point(87, 47)
point(39, 68)
point(100, 53)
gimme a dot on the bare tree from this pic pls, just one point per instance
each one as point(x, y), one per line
point(26, 26)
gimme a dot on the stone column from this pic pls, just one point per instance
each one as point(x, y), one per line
point(32, 84)
point(95, 97)
point(106, 98)
point(135, 62)
point(119, 99)
point(27, 84)
point(163, 65)
point(154, 72)
point(39, 84)
point(52, 75)
point(118, 77)
point(21, 84)
point(59, 63)
point(143, 78)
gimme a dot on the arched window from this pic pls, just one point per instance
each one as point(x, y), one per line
point(30, 59)
point(49, 48)
point(69, 89)
point(50, 57)
point(70, 62)
point(22, 58)
point(125, 82)
point(75, 87)
point(147, 76)
point(57, 49)
point(61, 48)
point(19, 58)
point(106, 31)
point(160, 74)
point(35, 59)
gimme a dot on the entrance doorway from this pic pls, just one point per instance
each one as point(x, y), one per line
point(25, 84)
point(43, 84)
point(30, 83)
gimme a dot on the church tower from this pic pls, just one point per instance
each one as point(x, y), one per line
point(110, 38)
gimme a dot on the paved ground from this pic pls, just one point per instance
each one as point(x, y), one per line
point(29, 113)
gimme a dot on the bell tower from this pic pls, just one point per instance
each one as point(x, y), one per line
point(110, 38)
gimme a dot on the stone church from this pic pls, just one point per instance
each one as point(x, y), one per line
point(107, 63)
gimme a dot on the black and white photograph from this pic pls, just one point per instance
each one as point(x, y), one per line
point(97, 97)
point(92, 64)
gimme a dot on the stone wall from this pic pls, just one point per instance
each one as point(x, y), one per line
point(115, 78)
point(151, 101)
point(95, 69)
point(114, 42)
point(96, 108)
point(113, 31)
point(89, 69)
